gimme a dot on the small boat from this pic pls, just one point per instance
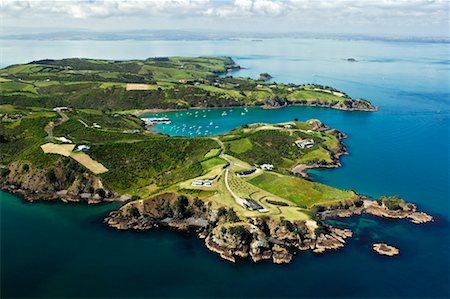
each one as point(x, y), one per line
point(224, 113)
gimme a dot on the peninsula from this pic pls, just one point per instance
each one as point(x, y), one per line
point(69, 132)
point(157, 83)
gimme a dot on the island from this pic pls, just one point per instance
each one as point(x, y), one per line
point(384, 249)
point(70, 131)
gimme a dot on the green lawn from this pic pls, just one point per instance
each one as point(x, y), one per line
point(317, 155)
point(212, 153)
point(240, 146)
point(300, 191)
point(211, 163)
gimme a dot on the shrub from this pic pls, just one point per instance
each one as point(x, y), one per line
point(231, 216)
point(26, 167)
point(101, 192)
point(134, 212)
point(242, 232)
point(4, 172)
point(221, 212)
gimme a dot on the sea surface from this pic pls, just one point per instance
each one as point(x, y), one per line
point(64, 250)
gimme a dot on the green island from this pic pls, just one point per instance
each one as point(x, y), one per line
point(70, 131)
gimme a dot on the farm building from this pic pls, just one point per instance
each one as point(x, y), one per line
point(302, 143)
point(246, 172)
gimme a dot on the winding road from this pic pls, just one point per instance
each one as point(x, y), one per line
point(51, 125)
point(239, 200)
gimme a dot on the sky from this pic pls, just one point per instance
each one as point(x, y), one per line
point(427, 18)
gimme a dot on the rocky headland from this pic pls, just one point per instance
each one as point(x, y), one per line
point(65, 181)
point(385, 207)
point(260, 238)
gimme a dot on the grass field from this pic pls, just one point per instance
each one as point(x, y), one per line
point(213, 153)
point(60, 149)
point(240, 146)
point(213, 162)
point(89, 163)
point(301, 192)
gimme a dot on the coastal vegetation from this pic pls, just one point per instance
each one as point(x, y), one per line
point(155, 83)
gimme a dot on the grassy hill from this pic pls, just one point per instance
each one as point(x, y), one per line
point(275, 144)
point(164, 83)
point(134, 161)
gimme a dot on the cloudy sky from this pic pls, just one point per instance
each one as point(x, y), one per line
point(372, 17)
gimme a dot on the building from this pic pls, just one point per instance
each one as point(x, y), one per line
point(204, 183)
point(246, 172)
point(96, 125)
point(303, 143)
point(63, 139)
point(83, 148)
point(269, 167)
point(61, 109)
point(253, 205)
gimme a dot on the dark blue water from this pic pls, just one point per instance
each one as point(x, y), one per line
point(56, 250)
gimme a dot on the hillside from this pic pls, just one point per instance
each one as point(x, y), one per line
point(155, 83)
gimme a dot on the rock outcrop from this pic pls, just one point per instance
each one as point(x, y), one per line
point(260, 238)
point(65, 181)
point(384, 249)
point(380, 209)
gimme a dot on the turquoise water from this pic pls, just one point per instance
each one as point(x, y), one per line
point(56, 250)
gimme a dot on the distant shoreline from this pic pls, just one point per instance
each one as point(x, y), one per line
point(140, 113)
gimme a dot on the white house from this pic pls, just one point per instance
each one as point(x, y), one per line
point(83, 148)
point(267, 167)
point(204, 183)
point(96, 125)
point(60, 109)
point(63, 139)
point(302, 143)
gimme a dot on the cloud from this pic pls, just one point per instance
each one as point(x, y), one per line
point(82, 9)
point(381, 16)
point(228, 9)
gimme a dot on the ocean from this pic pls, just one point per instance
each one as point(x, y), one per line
point(64, 250)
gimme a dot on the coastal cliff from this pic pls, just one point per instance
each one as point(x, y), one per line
point(65, 181)
point(260, 238)
point(384, 207)
point(347, 105)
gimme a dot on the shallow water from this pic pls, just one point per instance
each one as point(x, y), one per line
point(56, 250)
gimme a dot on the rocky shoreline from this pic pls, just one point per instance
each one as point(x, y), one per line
point(62, 195)
point(260, 238)
point(359, 105)
point(60, 183)
point(374, 208)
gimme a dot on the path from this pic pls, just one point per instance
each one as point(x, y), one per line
point(239, 200)
point(51, 125)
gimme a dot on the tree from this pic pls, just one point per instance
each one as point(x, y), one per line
point(26, 167)
point(101, 192)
